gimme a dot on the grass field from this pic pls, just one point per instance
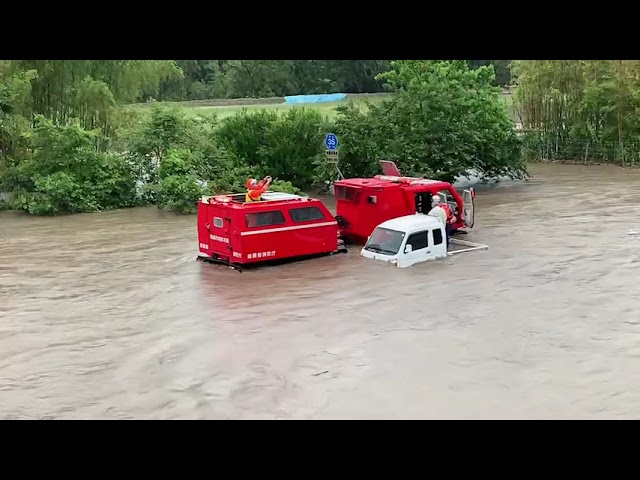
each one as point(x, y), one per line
point(228, 107)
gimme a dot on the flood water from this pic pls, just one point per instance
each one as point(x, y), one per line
point(109, 316)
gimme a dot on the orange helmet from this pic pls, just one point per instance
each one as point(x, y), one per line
point(252, 182)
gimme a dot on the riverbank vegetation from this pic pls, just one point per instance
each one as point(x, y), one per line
point(69, 143)
point(579, 110)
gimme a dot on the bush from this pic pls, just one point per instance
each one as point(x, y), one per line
point(284, 187)
point(177, 188)
point(179, 193)
point(177, 159)
point(64, 172)
point(285, 146)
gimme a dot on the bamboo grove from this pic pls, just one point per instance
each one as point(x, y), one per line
point(582, 110)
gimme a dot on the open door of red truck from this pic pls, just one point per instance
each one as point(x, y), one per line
point(389, 168)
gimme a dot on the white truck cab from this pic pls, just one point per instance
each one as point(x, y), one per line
point(405, 241)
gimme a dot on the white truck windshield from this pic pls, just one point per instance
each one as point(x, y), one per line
point(385, 240)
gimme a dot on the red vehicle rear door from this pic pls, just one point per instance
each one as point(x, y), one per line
point(220, 231)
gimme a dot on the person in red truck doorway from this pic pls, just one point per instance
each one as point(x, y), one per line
point(451, 220)
point(255, 189)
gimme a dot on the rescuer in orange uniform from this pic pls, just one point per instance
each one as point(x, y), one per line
point(255, 189)
point(451, 218)
point(445, 215)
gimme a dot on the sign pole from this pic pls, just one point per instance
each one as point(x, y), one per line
point(331, 154)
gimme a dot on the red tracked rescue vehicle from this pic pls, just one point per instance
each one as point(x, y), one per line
point(284, 226)
point(281, 226)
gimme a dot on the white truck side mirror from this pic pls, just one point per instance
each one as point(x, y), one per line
point(408, 249)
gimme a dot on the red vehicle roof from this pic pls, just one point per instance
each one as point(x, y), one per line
point(366, 182)
point(269, 199)
point(384, 183)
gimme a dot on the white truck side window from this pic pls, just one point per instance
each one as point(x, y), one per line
point(437, 236)
point(418, 240)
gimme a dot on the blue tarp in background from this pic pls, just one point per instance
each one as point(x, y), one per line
point(331, 97)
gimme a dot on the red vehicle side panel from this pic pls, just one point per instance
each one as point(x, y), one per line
point(234, 231)
point(289, 239)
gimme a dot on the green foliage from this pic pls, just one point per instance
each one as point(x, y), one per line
point(569, 104)
point(86, 90)
point(283, 146)
point(93, 104)
point(68, 145)
point(502, 69)
point(178, 188)
point(443, 121)
point(284, 187)
point(244, 134)
point(166, 128)
point(362, 142)
point(15, 106)
point(65, 172)
point(178, 159)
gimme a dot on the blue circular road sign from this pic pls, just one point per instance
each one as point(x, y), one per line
point(331, 141)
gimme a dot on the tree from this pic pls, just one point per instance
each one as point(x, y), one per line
point(179, 158)
point(64, 172)
point(66, 89)
point(444, 120)
point(502, 69)
point(284, 146)
point(579, 108)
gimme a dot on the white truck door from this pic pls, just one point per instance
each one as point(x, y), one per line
point(418, 250)
point(438, 243)
point(468, 214)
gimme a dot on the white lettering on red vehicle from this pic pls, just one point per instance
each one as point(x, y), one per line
point(219, 239)
point(204, 246)
point(251, 256)
point(237, 254)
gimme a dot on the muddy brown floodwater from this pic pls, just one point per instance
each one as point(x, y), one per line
point(110, 316)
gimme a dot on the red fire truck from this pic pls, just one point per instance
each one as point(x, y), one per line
point(364, 203)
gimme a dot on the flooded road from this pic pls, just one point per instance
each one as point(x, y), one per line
point(109, 316)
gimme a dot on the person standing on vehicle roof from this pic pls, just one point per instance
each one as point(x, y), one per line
point(444, 215)
point(255, 189)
